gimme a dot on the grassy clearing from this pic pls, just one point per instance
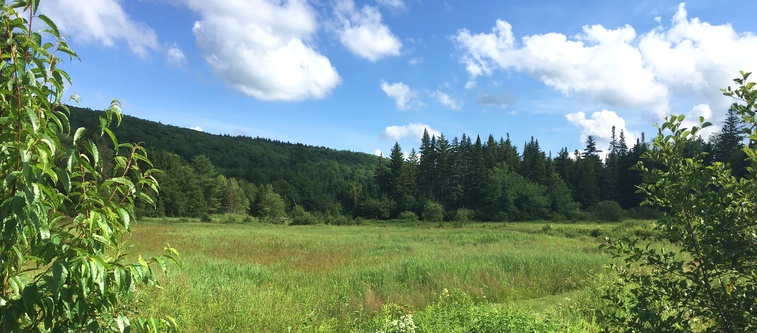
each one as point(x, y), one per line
point(268, 278)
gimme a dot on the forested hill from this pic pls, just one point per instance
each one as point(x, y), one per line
point(234, 155)
point(208, 174)
point(488, 180)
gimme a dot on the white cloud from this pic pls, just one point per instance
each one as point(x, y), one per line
point(655, 72)
point(697, 58)
point(404, 97)
point(175, 56)
point(446, 100)
point(413, 130)
point(600, 126)
point(363, 33)
point(599, 62)
point(378, 152)
point(393, 4)
point(261, 48)
point(102, 21)
point(197, 128)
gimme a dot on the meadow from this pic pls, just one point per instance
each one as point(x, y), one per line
point(273, 278)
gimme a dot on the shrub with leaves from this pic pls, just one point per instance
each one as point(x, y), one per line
point(608, 211)
point(433, 212)
point(63, 265)
point(706, 279)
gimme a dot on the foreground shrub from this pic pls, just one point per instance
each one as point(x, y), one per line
point(63, 214)
point(707, 281)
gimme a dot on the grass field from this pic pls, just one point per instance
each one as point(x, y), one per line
point(269, 278)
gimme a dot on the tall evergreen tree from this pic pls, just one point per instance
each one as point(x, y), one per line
point(586, 179)
point(727, 144)
point(509, 154)
point(476, 175)
point(444, 166)
point(534, 167)
point(426, 166)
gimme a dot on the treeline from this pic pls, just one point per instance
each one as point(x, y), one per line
point(461, 179)
point(499, 183)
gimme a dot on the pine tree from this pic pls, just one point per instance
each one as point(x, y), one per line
point(426, 166)
point(533, 167)
point(727, 144)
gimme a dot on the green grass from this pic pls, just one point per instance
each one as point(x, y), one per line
point(267, 278)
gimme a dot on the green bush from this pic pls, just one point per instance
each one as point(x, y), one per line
point(69, 196)
point(408, 216)
point(608, 211)
point(464, 215)
point(205, 217)
point(302, 217)
point(337, 219)
point(706, 282)
point(433, 212)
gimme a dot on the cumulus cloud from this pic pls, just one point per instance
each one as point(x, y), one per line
point(685, 63)
point(600, 127)
point(446, 100)
point(175, 56)
point(197, 128)
point(599, 62)
point(412, 130)
point(694, 57)
point(261, 48)
point(101, 21)
point(404, 97)
point(363, 33)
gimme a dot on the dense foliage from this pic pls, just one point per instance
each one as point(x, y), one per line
point(63, 265)
point(704, 278)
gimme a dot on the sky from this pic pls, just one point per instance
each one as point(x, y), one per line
point(362, 75)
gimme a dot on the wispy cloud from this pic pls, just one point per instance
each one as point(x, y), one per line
point(412, 130)
point(175, 56)
point(404, 97)
point(446, 100)
point(101, 21)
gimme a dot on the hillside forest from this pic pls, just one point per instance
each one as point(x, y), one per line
point(462, 179)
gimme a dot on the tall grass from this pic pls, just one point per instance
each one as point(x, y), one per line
point(265, 278)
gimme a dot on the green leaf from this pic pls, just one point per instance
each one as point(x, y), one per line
point(125, 218)
point(79, 132)
point(60, 275)
point(51, 24)
point(112, 136)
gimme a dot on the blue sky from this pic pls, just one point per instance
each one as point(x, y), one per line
point(360, 75)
